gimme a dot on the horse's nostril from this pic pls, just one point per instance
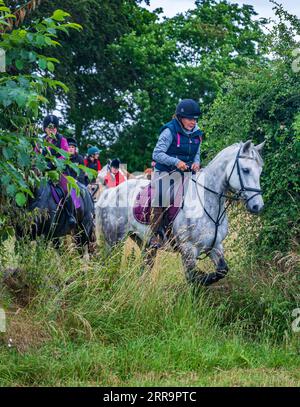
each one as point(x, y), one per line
point(255, 208)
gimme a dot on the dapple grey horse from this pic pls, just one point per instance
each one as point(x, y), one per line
point(201, 224)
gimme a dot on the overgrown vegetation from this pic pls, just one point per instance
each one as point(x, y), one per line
point(127, 69)
point(262, 103)
point(27, 77)
point(102, 323)
point(73, 322)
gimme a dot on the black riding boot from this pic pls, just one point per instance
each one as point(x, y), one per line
point(70, 210)
point(157, 214)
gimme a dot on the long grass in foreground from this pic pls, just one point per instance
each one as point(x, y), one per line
point(78, 323)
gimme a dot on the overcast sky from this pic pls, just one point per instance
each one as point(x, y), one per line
point(263, 7)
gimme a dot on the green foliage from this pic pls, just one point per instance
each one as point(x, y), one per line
point(23, 87)
point(263, 104)
point(186, 56)
point(85, 62)
point(127, 70)
point(101, 322)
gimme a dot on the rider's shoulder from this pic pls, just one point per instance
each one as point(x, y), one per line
point(169, 125)
point(166, 132)
point(168, 129)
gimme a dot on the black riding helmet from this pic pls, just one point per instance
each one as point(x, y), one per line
point(189, 109)
point(72, 142)
point(115, 163)
point(51, 119)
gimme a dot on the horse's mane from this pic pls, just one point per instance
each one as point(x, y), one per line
point(253, 153)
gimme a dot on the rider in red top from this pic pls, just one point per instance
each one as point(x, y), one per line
point(114, 177)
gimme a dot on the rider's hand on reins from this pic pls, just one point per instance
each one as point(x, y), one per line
point(195, 167)
point(182, 166)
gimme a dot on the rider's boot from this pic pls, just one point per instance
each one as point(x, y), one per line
point(157, 213)
point(69, 208)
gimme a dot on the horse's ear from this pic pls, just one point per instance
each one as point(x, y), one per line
point(246, 146)
point(260, 146)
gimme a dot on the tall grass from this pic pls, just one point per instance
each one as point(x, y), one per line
point(100, 322)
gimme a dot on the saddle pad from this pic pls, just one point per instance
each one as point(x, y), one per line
point(142, 207)
point(57, 193)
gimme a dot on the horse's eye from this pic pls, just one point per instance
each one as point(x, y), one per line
point(246, 170)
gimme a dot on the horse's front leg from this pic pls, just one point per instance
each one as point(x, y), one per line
point(217, 257)
point(189, 256)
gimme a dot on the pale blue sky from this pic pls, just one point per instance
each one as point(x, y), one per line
point(263, 7)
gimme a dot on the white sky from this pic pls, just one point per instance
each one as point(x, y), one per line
point(262, 7)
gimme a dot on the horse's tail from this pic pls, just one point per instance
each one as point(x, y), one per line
point(99, 214)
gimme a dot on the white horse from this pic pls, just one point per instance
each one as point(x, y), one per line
point(201, 224)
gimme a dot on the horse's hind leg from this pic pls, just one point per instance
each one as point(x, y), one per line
point(85, 238)
point(56, 243)
point(189, 260)
point(92, 242)
point(148, 255)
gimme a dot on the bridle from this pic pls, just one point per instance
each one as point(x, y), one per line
point(235, 197)
point(243, 188)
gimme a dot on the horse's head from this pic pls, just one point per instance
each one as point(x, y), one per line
point(243, 175)
point(41, 197)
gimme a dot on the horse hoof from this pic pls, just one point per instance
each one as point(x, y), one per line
point(208, 279)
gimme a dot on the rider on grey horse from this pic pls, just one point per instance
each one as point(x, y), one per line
point(177, 150)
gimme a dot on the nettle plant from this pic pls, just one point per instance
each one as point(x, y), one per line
point(28, 77)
